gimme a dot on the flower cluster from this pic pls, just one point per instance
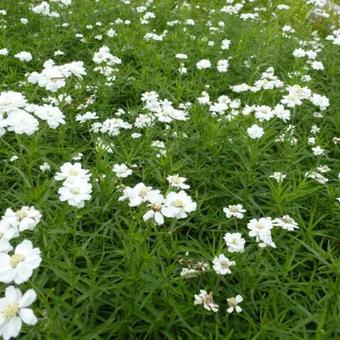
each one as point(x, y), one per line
point(17, 115)
point(106, 64)
point(53, 77)
point(17, 266)
point(163, 110)
point(76, 187)
point(260, 229)
point(206, 299)
point(173, 205)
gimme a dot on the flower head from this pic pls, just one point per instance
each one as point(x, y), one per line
point(206, 300)
point(14, 311)
point(233, 304)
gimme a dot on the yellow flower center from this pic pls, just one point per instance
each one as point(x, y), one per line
point(155, 207)
point(21, 214)
point(16, 259)
point(178, 204)
point(232, 302)
point(11, 310)
point(73, 172)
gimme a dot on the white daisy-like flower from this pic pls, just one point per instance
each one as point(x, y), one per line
point(177, 182)
point(261, 230)
point(222, 264)
point(69, 170)
point(233, 303)
point(255, 131)
point(235, 242)
point(155, 199)
point(122, 170)
point(75, 191)
point(24, 219)
point(286, 222)
point(205, 299)
point(19, 266)
point(14, 311)
point(178, 205)
point(234, 211)
point(278, 176)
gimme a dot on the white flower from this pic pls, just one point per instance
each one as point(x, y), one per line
point(235, 242)
point(203, 64)
point(233, 304)
point(206, 300)
point(321, 101)
point(286, 222)
point(278, 176)
point(261, 230)
point(181, 56)
point(255, 131)
point(155, 199)
point(318, 151)
point(263, 112)
point(222, 65)
point(234, 211)
point(177, 205)
point(136, 195)
point(23, 56)
point(225, 44)
point(24, 219)
point(21, 122)
point(51, 114)
point(317, 65)
point(296, 94)
point(222, 264)
point(86, 116)
point(281, 112)
point(11, 101)
point(69, 170)
point(121, 170)
point(240, 88)
point(14, 311)
point(75, 191)
point(19, 266)
point(45, 167)
point(14, 158)
point(8, 230)
point(177, 182)
point(4, 51)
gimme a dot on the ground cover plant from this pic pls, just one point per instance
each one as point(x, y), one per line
point(169, 169)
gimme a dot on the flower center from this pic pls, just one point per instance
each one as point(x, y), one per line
point(73, 172)
point(178, 204)
point(143, 192)
point(21, 214)
point(232, 302)
point(11, 310)
point(225, 264)
point(16, 259)
point(208, 299)
point(155, 206)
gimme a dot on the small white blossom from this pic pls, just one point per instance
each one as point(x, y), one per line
point(222, 264)
point(233, 304)
point(234, 211)
point(206, 300)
